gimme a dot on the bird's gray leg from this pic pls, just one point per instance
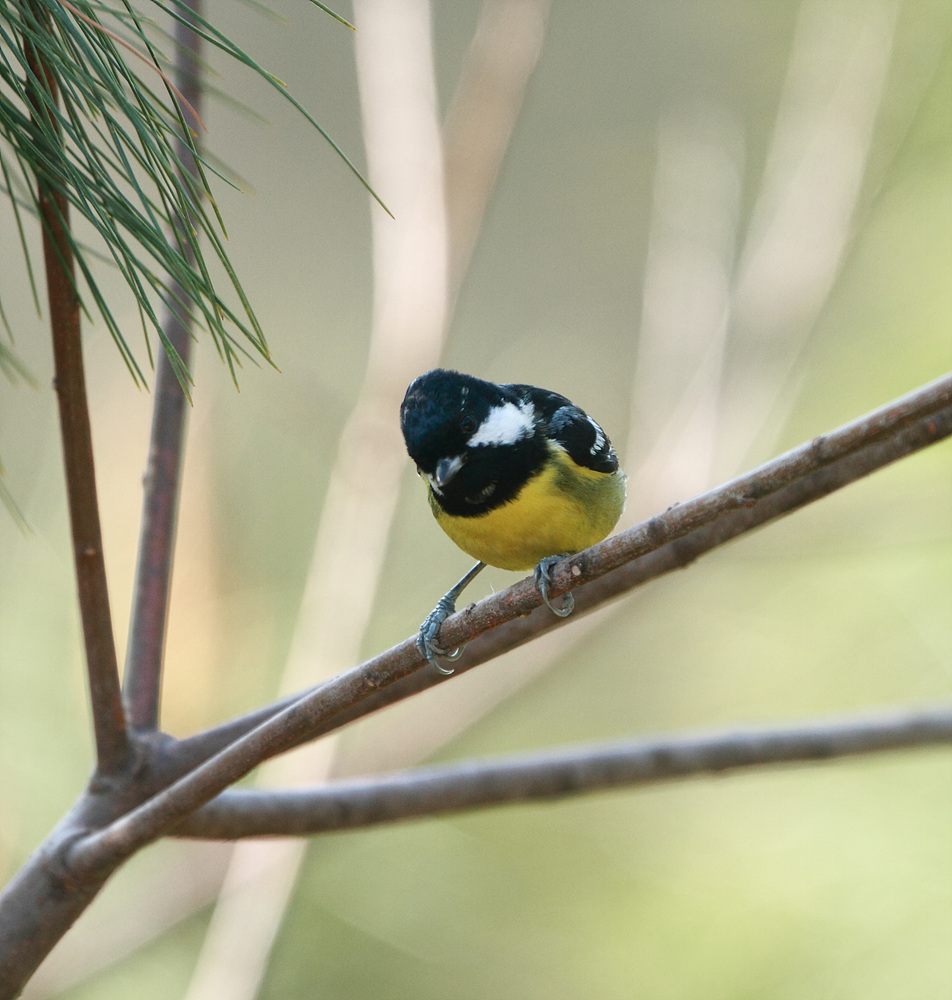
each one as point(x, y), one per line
point(430, 629)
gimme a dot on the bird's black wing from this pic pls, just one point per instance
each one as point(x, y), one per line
point(570, 427)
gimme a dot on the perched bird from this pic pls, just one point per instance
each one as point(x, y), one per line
point(517, 476)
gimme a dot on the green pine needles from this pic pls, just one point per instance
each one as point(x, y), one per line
point(89, 113)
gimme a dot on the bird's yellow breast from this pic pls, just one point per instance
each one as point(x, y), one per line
point(564, 508)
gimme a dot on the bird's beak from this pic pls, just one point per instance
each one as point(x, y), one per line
point(446, 469)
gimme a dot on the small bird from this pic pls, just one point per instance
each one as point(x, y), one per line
point(517, 476)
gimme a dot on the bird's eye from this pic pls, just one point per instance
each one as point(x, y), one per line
point(467, 423)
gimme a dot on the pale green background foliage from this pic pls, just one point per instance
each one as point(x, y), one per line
point(830, 881)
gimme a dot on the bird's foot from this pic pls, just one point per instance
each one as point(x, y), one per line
point(542, 581)
point(430, 629)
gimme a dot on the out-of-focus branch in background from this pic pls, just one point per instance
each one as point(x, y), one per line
point(437, 183)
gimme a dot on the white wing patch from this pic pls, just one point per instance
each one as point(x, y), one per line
point(599, 438)
point(505, 424)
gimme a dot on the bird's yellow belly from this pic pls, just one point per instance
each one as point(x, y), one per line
point(563, 509)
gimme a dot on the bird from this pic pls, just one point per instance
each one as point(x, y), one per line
point(517, 476)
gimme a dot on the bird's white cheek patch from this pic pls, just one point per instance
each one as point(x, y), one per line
point(504, 424)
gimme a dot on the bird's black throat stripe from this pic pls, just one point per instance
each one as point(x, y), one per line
point(492, 477)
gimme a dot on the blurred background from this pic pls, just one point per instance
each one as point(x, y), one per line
point(720, 228)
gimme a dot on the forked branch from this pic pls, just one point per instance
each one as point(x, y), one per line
point(904, 426)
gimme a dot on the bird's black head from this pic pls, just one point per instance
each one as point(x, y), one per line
point(441, 412)
point(475, 441)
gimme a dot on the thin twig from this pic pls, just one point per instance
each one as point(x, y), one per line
point(150, 602)
point(112, 743)
point(916, 420)
point(434, 791)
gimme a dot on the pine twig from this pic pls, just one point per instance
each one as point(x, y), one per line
point(112, 743)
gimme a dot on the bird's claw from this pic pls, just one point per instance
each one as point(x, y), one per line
point(430, 629)
point(542, 581)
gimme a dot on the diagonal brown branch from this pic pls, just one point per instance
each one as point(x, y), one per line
point(112, 744)
point(144, 656)
point(434, 791)
point(905, 425)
